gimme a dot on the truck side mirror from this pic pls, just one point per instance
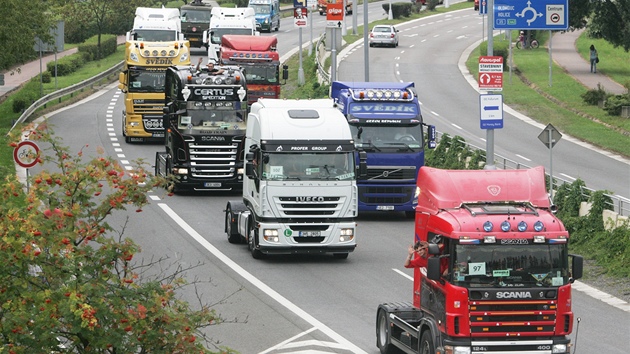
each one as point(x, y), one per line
point(285, 73)
point(577, 266)
point(205, 36)
point(431, 137)
point(433, 268)
point(122, 81)
point(249, 170)
point(363, 164)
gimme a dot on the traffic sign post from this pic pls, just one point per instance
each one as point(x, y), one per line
point(491, 111)
point(550, 136)
point(26, 154)
point(531, 15)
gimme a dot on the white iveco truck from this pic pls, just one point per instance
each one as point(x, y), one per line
point(299, 189)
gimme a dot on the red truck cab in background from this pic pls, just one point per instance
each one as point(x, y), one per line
point(499, 276)
point(259, 59)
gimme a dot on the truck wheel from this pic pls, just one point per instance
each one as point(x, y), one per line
point(232, 235)
point(383, 341)
point(251, 241)
point(426, 343)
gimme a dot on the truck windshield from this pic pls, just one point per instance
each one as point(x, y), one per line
point(218, 33)
point(301, 167)
point(146, 80)
point(398, 138)
point(261, 9)
point(203, 116)
point(510, 265)
point(196, 16)
point(262, 74)
point(155, 35)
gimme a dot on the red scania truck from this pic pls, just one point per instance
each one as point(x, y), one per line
point(499, 275)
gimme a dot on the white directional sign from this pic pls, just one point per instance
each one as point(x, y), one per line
point(491, 111)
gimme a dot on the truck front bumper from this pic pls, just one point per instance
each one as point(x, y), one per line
point(316, 238)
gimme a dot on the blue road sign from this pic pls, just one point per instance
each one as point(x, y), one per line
point(483, 7)
point(491, 109)
point(531, 14)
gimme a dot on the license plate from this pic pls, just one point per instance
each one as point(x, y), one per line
point(385, 207)
point(212, 184)
point(310, 233)
point(193, 39)
point(158, 135)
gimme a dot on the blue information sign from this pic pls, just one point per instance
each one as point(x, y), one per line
point(531, 14)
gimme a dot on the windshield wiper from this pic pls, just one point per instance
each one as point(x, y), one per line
point(370, 146)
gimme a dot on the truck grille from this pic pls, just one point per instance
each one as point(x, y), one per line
point(213, 161)
point(386, 194)
point(323, 207)
point(512, 318)
point(405, 173)
point(153, 107)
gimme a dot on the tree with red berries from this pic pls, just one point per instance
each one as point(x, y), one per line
point(71, 283)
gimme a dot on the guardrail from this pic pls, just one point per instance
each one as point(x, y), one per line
point(320, 57)
point(70, 90)
point(618, 204)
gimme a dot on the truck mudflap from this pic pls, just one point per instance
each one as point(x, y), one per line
point(161, 164)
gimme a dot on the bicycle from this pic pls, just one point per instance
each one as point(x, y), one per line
point(533, 44)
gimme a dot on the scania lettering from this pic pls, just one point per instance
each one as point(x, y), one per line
point(297, 197)
point(259, 57)
point(480, 292)
point(386, 123)
point(154, 43)
point(205, 119)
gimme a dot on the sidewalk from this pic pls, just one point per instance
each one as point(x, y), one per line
point(565, 54)
point(32, 69)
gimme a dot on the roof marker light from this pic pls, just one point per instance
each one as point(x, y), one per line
point(522, 226)
point(505, 226)
point(539, 226)
point(487, 226)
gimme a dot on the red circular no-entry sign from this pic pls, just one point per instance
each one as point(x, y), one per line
point(26, 154)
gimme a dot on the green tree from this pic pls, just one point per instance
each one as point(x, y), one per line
point(579, 11)
point(68, 278)
point(610, 21)
point(20, 23)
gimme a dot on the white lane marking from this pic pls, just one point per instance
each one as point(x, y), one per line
point(523, 157)
point(259, 284)
point(568, 177)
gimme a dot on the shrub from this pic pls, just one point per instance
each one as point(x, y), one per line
point(46, 77)
point(614, 103)
point(108, 46)
point(594, 96)
point(399, 9)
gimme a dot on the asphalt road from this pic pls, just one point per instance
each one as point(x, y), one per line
point(293, 304)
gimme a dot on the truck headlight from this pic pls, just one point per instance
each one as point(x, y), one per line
point(271, 235)
point(180, 171)
point(559, 348)
point(456, 350)
point(346, 235)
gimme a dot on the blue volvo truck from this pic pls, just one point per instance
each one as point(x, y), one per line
point(386, 123)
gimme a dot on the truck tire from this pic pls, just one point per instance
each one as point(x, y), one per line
point(383, 339)
point(232, 235)
point(426, 343)
point(251, 241)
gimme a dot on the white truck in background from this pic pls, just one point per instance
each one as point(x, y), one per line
point(156, 25)
point(228, 20)
point(299, 188)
